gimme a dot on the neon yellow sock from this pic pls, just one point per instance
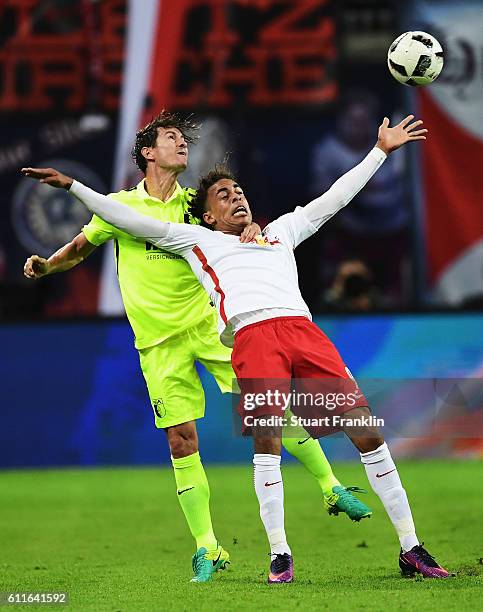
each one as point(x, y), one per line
point(194, 498)
point(310, 454)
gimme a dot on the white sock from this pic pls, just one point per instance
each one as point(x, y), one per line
point(268, 482)
point(385, 482)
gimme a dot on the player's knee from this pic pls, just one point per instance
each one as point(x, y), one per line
point(366, 437)
point(181, 447)
point(267, 446)
point(366, 445)
point(182, 441)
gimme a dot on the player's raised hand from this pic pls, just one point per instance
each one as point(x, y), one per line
point(391, 138)
point(49, 176)
point(35, 267)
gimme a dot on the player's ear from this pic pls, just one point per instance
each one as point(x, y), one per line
point(147, 153)
point(208, 218)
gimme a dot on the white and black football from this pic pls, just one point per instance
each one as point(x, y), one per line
point(415, 58)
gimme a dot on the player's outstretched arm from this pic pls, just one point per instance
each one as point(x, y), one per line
point(345, 188)
point(119, 215)
point(112, 212)
point(62, 260)
point(70, 254)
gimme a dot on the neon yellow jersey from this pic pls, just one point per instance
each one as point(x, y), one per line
point(161, 294)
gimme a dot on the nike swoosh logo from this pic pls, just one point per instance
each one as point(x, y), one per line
point(303, 441)
point(385, 473)
point(270, 484)
point(184, 490)
point(215, 561)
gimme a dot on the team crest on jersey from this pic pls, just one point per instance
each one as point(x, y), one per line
point(159, 408)
point(264, 241)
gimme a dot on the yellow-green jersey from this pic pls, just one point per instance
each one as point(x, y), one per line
point(161, 295)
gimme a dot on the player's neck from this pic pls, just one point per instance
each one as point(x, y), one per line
point(160, 183)
point(229, 228)
point(231, 232)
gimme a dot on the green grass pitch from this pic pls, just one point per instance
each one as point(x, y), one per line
point(115, 539)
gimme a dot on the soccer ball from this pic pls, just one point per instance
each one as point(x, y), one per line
point(415, 58)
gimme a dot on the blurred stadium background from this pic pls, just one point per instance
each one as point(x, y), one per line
point(294, 92)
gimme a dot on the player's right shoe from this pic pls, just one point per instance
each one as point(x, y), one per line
point(281, 569)
point(205, 563)
point(342, 500)
point(419, 561)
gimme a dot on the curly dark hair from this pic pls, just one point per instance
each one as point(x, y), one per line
point(146, 136)
point(198, 203)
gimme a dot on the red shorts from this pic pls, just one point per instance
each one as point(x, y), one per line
point(291, 355)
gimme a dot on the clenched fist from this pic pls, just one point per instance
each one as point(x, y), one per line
point(36, 267)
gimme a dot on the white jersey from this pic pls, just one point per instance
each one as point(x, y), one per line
point(241, 277)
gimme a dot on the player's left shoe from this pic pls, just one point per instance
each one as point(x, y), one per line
point(342, 500)
point(281, 569)
point(419, 561)
point(205, 563)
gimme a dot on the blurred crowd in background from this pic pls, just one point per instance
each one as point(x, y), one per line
point(292, 91)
